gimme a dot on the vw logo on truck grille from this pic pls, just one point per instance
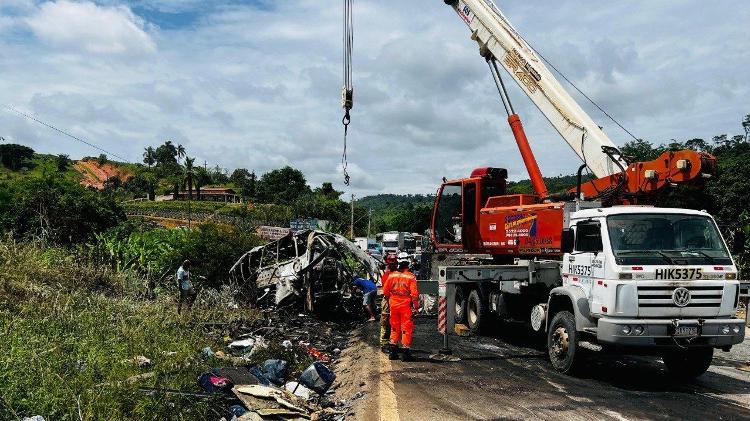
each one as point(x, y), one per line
point(681, 297)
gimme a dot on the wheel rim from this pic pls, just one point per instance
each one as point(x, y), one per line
point(459, 305)
point(560, 341)
point(473, 313)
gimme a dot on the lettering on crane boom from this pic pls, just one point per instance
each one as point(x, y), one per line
point(464, 12)
point(680, 273)
point(522, 70)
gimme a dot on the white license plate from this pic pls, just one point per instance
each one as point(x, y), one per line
point(686, 331)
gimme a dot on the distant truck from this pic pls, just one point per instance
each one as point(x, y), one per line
point(395, 241)
point(361, 242)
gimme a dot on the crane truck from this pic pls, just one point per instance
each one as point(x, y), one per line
point(597, 266)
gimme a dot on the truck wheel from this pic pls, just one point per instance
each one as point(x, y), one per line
point(475, 313)
point(562, 342)
point(689, 363)
point(460, 309)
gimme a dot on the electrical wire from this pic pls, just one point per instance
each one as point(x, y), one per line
point(63, 132)
point(582, 93)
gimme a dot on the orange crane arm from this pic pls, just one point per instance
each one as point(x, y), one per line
point(640, 181)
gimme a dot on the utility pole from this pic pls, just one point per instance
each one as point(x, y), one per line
point(351, 227)
point(369, 220)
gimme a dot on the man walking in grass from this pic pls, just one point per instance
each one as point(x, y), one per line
point(187, 293)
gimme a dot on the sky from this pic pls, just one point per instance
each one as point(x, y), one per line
point(256, 83)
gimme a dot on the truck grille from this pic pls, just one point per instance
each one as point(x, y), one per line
point(661, 296)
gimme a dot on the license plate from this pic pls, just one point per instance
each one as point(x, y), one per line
point(686, 331)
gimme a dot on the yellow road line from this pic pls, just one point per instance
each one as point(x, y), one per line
point(387, 404)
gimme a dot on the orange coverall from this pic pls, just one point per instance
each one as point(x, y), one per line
point(385, 313)
point(401, 290)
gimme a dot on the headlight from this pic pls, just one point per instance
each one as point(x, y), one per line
point(731, 275)
point(736, 329)
point(725, 330)
point(638, 330)
point(626, 276)
point(626, 330)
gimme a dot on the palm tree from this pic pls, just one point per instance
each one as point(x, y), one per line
point(149, 156)
point(189, 175)
point(180, 152)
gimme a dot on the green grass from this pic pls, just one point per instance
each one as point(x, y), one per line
point(176, 205)
point(40, 164)
point(69, 331)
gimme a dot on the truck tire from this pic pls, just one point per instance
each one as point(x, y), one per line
point(460, 308)
point(475, 311)
point(688, 364)
point(562, 343)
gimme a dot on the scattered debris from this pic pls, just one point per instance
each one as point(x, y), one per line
point(245, 343)
point(34, 418)
point(288, 341)
point(444, 358)
point(307, 265)
point(298, 390)
point(212, 382)
point(317, 377)
point(462, 330)
point(141, 361)
point(275, 371)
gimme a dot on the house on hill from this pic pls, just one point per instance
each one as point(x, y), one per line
point(213, 194)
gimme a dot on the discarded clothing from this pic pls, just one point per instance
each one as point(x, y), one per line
point(211, 382)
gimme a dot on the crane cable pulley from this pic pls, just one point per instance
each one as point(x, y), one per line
point(347, 92)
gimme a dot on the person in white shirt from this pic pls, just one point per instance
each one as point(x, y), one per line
point(187, 293)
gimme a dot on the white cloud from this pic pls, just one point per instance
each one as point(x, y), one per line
point(243, 86)
point(85, 26)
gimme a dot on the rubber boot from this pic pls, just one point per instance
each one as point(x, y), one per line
point(406, 355)
point(393, 354)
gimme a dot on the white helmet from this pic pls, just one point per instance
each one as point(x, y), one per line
point(403, 257)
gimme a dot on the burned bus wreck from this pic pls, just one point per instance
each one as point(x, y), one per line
point(313, 267)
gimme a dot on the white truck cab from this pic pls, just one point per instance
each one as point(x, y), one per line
point(658, 279)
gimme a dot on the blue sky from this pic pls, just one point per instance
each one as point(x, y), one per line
point(256, 84)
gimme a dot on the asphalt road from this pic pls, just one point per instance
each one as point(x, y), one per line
point(506, 376)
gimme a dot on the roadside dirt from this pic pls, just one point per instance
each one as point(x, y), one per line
point(506, 375)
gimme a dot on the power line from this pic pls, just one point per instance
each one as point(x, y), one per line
point(583, 93)
point(30, 117)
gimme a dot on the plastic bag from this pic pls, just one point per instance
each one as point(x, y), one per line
point(275, 371)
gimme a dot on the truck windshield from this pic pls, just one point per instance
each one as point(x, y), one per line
point(390, 244)
point(674, 239)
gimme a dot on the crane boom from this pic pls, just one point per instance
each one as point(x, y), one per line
point(494, 33)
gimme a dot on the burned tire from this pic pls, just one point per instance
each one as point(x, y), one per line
point(562, 343)
point(475, 311)
point(460, 308)
point(688, 364)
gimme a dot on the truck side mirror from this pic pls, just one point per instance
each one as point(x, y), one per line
point(567, 241)
point(738, 245)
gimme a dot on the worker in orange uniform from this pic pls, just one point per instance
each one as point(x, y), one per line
point(403, 297)
point(385, 309)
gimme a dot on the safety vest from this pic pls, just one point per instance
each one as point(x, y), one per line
point(401, 288)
